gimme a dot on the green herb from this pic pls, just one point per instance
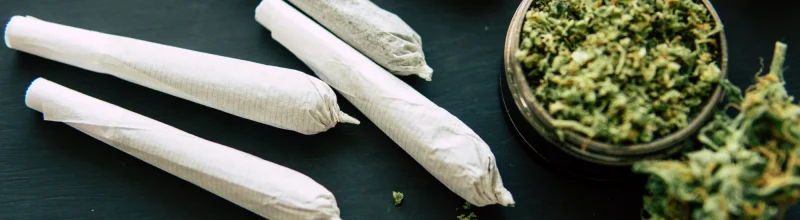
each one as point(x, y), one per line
point(398, 198)
point(620, 71)
point(471, 216)
point(748, 166)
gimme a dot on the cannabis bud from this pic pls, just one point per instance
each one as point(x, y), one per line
point(620, 71)
point(748, 165)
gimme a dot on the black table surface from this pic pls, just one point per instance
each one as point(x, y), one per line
point(51, 171)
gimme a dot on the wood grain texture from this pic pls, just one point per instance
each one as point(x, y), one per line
point(51, 171)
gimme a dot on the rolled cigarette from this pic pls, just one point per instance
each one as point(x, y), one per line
point(265, 188)
point(378, 34)
point(283, 98)
point(441, 143)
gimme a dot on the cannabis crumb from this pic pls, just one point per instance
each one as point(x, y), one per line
point(398, 198)
point(471, 216)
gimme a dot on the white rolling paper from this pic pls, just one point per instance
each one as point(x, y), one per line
point(441, 143)
point(268, 189)
point(375, 32)
point(283, 98)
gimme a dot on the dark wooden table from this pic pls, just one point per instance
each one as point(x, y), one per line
point(51, 171)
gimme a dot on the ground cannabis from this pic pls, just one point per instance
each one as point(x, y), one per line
point(398, 198)
point(620, 71)
point(748, 166)
point(471, 216)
